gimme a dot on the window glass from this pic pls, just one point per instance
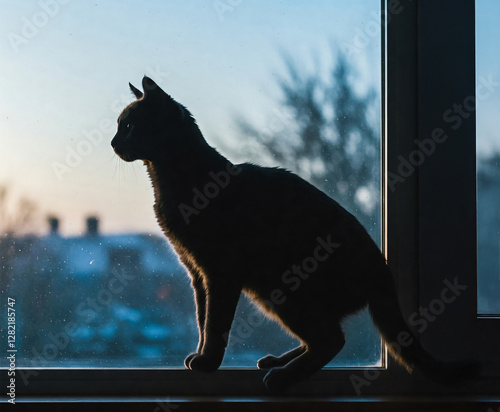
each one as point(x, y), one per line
point(488, 156)
point(293, 84)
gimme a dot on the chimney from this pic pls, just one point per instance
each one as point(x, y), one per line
point(54, 225)
point(92, 226)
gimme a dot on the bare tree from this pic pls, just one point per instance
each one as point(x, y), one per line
point(330, 139)
point(16, 218)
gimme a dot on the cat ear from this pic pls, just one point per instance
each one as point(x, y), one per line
point(153, 93)
point(135, 90)
point(150, 87)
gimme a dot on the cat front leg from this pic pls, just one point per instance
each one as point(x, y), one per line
point(200, 300)
point(221, 301)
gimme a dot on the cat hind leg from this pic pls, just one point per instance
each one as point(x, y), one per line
point(270, 361)
point(320, 349)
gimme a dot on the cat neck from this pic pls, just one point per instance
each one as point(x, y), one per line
point(175, 173)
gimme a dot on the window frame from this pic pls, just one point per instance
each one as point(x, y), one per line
point(437, 71)
point(414, 216)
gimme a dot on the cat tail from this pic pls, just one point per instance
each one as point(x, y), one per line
point(403, 345)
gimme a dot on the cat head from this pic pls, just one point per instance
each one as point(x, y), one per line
point(148, 124)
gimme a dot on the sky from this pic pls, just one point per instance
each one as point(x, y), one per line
point(66, 64)
point(488, 68)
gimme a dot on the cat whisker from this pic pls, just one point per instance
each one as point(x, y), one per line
point(117, 165)
point(121, 174)
point(118, 169)
point(135, 171)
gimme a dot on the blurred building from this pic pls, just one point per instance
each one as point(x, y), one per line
point(127, 294)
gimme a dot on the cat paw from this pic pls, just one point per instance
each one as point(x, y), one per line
point(276, 381)
point(188, 360)
point(268, 362)
point(203, 363)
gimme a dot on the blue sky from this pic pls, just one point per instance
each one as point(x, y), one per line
point(488, 67)
point(66, 65)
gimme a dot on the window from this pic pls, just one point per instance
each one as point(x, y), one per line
point(428, 66)
point(104, 288)
point(488, 160)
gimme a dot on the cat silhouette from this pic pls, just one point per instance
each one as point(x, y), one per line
point(306, 261)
